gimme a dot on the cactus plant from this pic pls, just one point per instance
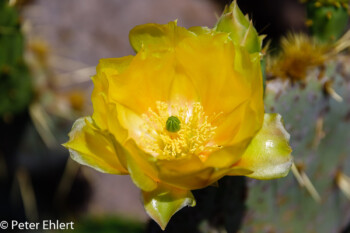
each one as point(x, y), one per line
point(319, 127)
point(327, 19)
point(15, 85)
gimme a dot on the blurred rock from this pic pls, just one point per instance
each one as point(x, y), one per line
point(87, 30)
point(114, 195)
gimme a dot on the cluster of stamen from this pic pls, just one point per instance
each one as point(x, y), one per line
point(193, 135)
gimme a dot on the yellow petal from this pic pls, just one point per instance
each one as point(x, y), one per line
point(161, 35)
point(230, 84)
point(100, 99)
point(200, 30)
point(239, 171)
point(209, 62)
point(108, 116)
point(113, 66)
point(269, 154)
point(227, 156)
point(142, 167)
point(247, 120)
point(165, 201)
point(182, 90)
point(92, 147)
point(186, 173)
point(185, 180)
point(192, 173)
point(127, 119)
point(145, 82)
point(228, 125)
point(139, 177)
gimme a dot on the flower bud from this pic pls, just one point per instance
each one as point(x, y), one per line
point(240, 28)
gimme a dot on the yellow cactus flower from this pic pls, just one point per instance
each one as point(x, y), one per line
point(182, 113)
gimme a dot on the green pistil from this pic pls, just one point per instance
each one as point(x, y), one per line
point(173, 124)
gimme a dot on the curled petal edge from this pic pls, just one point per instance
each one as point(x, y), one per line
point(95, 148)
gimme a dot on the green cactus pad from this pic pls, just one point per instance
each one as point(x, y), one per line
point(283, 205)
point(327, 22)
point(15, 82)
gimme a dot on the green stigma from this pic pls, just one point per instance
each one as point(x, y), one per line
point(173, 124)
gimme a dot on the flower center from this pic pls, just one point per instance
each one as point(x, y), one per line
point(174, 131)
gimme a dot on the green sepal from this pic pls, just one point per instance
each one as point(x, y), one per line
point(268, 155)
point(162, 203)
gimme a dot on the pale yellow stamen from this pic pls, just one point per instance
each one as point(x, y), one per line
point(194, 138)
